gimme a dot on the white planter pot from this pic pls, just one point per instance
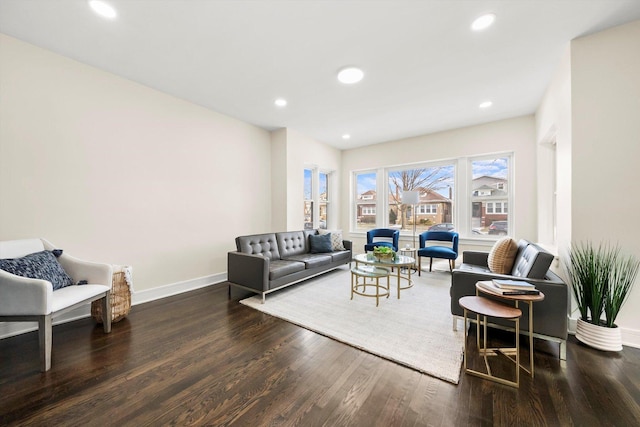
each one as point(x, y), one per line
point(600, 337)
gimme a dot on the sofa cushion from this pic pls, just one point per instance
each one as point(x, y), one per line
point(40, 265)
point(312, 260)
point(279, 268)
point(259, 244)
point(291, 243)
point(502, 255)
point(320, 244)
point(341, 256)
point(336, 239)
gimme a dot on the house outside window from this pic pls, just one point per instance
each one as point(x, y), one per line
point(489, 193)
point(481, 200)
point(435, 186)
point(365, 200)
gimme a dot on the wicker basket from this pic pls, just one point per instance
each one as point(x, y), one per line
point(120, 298)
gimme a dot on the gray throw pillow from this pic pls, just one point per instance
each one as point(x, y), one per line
point(39, 265)
point(320, 243)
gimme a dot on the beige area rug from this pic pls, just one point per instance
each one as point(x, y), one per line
point(414, 331)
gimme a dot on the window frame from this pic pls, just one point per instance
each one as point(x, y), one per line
point(461, 198)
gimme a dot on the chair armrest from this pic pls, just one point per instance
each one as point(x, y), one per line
point(251, 271)
point(22, 296)
point(476, 258)
point(93, 272)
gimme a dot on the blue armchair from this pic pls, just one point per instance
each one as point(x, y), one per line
point(449, 252)
point(382, 237)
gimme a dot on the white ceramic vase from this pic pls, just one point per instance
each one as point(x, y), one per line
point(599, 337)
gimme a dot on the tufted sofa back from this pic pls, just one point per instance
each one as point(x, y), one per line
point(531, 261)
point(292, 243)
point(259, 244)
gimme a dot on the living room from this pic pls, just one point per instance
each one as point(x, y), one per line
point(123, 173)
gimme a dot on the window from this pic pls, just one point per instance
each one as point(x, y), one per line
point(317, 198)
point(470, 193)
point(426, 209)
point(365, 200)
point(489, 194)
point(434, 184)
point(308, 199)
point(324, 199)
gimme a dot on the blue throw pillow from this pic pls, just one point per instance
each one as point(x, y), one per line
point(320, 243)
point(39, 265)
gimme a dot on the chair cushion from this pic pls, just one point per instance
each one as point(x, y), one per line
point(336, 239)
point(40, 265)
point(502, 255)
point(320, 243)
point(437, 252)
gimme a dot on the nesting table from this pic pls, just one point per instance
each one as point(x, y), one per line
point(485, 307)
point(398, 263)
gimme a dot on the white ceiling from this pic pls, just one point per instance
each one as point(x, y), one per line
point(425, 71)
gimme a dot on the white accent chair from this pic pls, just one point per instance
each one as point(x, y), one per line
point(27, 300)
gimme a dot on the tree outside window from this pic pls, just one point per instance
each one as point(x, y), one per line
point(435, 186)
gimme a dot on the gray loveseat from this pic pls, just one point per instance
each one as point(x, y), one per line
point(532, 265)
point(264, 263)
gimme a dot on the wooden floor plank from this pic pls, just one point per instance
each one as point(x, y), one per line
point(201, 359)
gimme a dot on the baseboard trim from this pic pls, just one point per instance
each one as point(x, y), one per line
point(172, 289)
point(10, 329)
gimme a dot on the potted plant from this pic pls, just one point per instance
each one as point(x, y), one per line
point(383, 253)
point(601, 278)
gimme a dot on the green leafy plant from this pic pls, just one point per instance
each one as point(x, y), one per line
point(601, 279)
point(384, 250)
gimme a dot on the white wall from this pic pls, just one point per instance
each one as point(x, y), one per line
point(605, 169)
point(279, 202)
point(553, 125)
point(513, 135)
point(116, 172)
point(304, 152)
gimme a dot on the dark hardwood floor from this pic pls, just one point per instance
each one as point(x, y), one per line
point(201, 359)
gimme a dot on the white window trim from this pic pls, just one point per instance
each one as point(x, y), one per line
point(462, 202)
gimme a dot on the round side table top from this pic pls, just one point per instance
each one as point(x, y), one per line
point(487, 307)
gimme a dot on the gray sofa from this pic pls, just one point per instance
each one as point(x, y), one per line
point(264, 263)
point(531, 264)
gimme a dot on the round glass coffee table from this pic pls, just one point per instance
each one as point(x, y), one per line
point(400, 262)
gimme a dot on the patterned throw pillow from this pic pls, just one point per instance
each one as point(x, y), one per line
point(336, 239)
point(502, 256)
point(39, 265)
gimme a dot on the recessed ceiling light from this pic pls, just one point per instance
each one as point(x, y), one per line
point(346, 136)
point(350, 75)
point(280, 102)
point(483, 22)
point(486, 104)
point(103, 9)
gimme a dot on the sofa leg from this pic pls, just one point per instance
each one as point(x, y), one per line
point(264, 296)
point(563, 350)
point(430, 264)
point(455, 324)
point(45, 338)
